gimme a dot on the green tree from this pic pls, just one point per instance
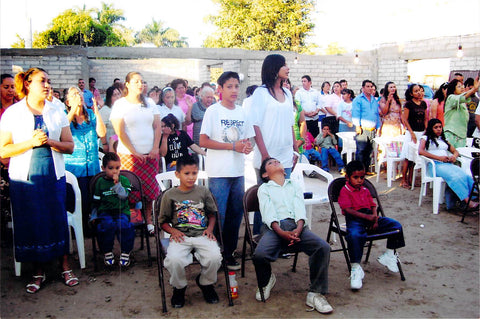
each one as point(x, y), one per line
point(262, 25)
point(79, 27)
point(160, 36)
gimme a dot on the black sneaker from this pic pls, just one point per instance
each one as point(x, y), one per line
point(232, 264)
point(178, 297)
point(208, 292)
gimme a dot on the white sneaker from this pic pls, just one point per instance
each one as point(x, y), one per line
point(318, 302)
point(356, 277)
point(266, 289)
point(389, 261)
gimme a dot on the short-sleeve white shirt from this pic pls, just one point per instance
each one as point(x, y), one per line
point(476, 133)
point(275, 120)
point(227, 126)
point(138, 121)
point(175, 110)
point(308, 100)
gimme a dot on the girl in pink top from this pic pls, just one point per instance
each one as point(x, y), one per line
point(185, 102)
point(436, 110)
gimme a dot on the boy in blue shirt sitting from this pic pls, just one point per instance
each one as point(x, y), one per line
point(284, 217)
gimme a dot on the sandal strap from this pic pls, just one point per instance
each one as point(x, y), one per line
point(71, 277)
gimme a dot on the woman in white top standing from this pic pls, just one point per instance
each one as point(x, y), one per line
point(35, 134)
point(136, 121)
point(331, 106)
point(270, 112)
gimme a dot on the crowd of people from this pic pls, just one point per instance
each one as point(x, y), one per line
point(42, 136)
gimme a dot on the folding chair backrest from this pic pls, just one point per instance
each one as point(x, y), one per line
point(475, 167)
point(250, 200)
point(336, 186)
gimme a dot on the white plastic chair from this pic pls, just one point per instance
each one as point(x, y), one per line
point(349, 145)
point(437, 182)
point(167, 180)
point(418, 162)
point(392, 158)
point(320, 194)
point(74, 220)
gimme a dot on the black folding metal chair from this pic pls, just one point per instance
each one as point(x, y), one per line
point(474, 168)
point(136, 195)
point(162, 245)
point(341, 229)
point(251, 205)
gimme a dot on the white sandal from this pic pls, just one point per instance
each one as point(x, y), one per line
point(32, 287)
point(69, 278)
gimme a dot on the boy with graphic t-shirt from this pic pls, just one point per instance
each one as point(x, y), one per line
point(225, 132)
point(187, 213)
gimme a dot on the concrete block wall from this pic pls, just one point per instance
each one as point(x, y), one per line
point(64, 71)
point(157, 72)
point(386, 63)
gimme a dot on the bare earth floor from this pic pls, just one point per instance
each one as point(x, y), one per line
point(440, 262)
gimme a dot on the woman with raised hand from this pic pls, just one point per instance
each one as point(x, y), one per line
point(136, 121)
point(456, 112)
point(35, 134)
point(185, 102)
point(390, 111)
point(86, 126)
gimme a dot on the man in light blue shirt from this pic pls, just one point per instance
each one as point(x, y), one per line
point(366, 119)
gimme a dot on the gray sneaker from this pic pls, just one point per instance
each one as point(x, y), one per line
point(318, 302)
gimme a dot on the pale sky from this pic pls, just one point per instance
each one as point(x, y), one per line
point(354, 24)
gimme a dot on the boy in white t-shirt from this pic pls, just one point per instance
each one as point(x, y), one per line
point(225, 132)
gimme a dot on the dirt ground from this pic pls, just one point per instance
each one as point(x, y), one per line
point(440, 262)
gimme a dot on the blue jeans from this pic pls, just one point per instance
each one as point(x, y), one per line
point(228, 192)
point(316, 248)
point(336, 156)
point(364, 143)
point(357, 231)
point(110, 225)
point(312, 155)
point(257, 217)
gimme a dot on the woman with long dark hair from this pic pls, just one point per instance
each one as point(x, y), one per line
point(434, 145)
point(391, 111)
point(136, 121)
point(415, 120)
point(436, 109)
point(270, 112)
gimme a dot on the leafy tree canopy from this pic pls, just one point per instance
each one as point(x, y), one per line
point(81, 27)
point(160, 36)
point(101, 27)
point(262, 25)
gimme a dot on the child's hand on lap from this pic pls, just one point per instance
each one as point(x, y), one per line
point(208, 233)
point(177, 236)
